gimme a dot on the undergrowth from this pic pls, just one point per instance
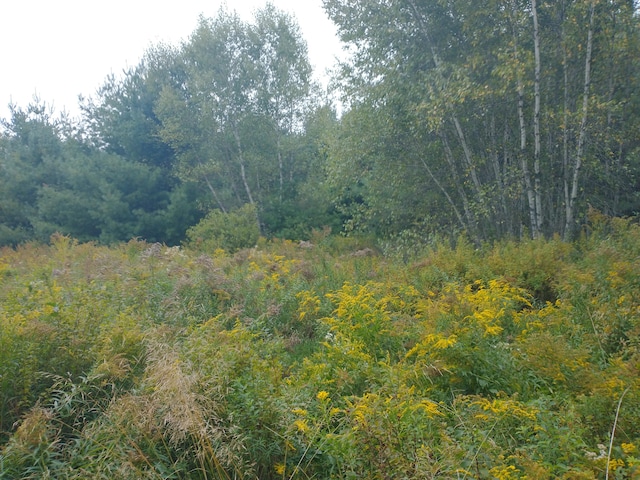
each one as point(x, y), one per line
point(322, 360)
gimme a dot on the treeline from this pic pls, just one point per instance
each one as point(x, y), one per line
point(499, 118)
point(229, 118)
point(502, 119)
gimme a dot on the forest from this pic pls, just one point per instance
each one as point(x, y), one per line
point(505, 119)
point(429, 269)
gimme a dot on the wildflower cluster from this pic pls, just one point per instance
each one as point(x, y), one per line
point(284, 362)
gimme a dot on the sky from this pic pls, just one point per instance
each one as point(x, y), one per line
point(59, 49)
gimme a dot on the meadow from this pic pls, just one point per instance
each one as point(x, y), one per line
point(323, 359)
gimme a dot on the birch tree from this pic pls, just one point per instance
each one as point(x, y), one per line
point(244, 93)
point(501, 97)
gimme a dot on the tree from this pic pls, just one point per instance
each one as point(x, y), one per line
point(28, 147)
point(500, 102)
point(234, 119)
point(284, 75)
point(52, 183)
point(121, 119)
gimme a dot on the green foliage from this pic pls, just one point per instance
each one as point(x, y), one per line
point(235, 120)
point(445, 104)
point(51, 184)
point(175, 135)
point(450, 125)
point(228, 231)
point(122, 119)
point(321, 359)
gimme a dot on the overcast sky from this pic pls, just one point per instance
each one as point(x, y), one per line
point(59, 49)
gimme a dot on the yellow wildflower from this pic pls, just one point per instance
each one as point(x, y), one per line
point(463, 472)
point(507, 407)
point(363, 411)
point(504, 473)
point(440, 342)
point(322, 395)
point(301, 425)
point(615, 463)
point(279, 468)
point(430, 408)
point(628, 448)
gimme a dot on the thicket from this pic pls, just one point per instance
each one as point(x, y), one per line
point(322, 359)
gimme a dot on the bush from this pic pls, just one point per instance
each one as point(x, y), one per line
point(231, 231)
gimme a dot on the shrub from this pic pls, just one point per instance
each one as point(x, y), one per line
point(231, 231)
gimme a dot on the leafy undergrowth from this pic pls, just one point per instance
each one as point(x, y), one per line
point(293, 361)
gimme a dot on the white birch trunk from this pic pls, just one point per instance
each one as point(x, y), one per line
point(571, 207)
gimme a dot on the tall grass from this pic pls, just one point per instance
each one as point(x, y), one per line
point(322, 360)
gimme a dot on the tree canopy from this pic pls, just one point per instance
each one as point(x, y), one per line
point(503, 118)
point(515, 115)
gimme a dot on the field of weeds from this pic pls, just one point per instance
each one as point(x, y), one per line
point(322, 360)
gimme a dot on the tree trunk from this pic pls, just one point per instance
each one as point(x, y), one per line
point(458, 127)
point(565, 127)
point(445, 193)
point(571, 207)
point(468, 158)
point(497, 171)
point(280, 165)
point(243, 174)
point(524, 163)
point(536, 123)
point(213, 192)
point(470, 225)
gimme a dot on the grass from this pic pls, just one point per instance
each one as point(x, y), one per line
point(322, 361)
